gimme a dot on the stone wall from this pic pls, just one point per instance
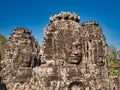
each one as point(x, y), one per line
point(74, 54)
point(72, 57)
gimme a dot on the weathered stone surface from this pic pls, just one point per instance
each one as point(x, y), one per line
point(58, 39)
point(65, 16)
point(73, 57)
point(22, 48)
point(22, 53)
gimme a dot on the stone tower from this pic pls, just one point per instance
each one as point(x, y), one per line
point(73, 55)
point(22, 53)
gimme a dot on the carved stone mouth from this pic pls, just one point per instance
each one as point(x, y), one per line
point(74, 58)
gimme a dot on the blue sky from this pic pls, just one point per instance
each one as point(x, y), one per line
point(34, 14)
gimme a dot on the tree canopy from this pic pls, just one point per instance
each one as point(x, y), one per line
point(2, 44)
point(112, 60)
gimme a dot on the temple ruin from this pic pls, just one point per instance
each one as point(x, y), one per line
point(22, 54)
point(73, 56)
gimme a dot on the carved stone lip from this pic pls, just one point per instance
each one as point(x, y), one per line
point(75, 57)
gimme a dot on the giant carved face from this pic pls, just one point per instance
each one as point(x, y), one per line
point(64, 41)
point(74, 53)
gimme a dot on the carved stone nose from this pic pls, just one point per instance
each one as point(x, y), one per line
point(75, 53)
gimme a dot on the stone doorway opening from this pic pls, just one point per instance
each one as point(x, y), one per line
point(76, 85)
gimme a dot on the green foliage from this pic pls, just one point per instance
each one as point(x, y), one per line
point(112, 53)
point(2, 44)
point(112, 60)
point(113, 72)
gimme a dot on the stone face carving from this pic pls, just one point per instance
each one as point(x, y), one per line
point(22, 48)
point(62, 39)
point(78, 52)
point(72, 56)
point(22, 53)
point(97, 47)
point(75, 54)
